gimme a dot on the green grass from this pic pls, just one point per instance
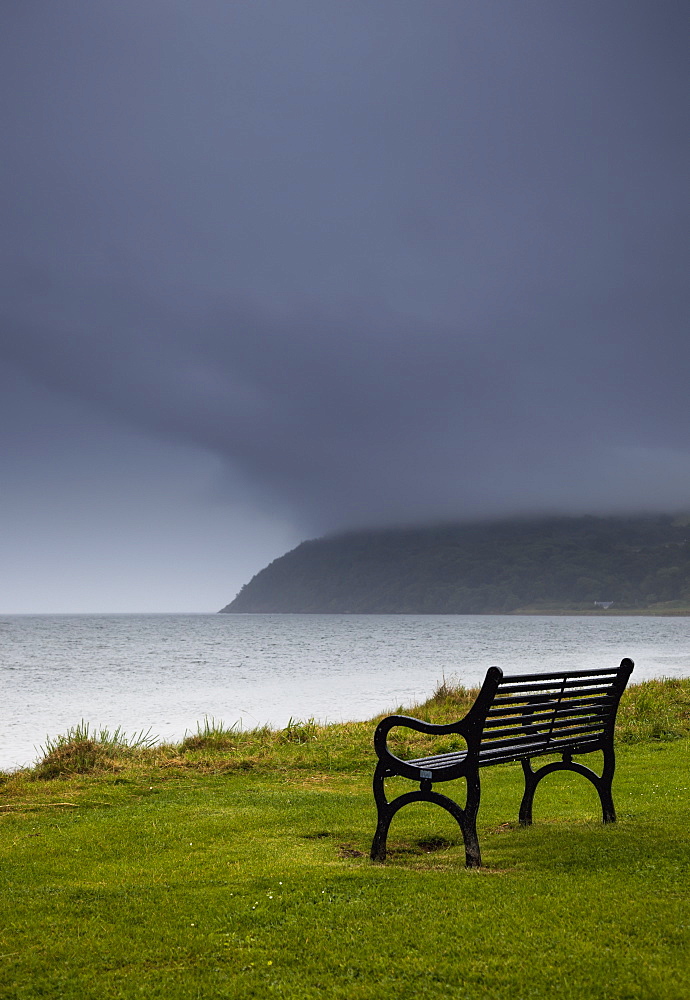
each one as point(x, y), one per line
point(236, 865)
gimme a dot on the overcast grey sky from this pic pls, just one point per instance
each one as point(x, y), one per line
point(281, 267)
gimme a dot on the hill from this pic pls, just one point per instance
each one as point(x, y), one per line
point(641, 564)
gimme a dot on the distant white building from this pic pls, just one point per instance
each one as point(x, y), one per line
point(603, 604)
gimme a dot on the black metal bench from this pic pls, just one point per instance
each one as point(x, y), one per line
point(514, 718)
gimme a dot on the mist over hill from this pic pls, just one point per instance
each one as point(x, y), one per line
point(501, 567)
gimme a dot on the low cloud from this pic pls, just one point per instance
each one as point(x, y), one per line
point(391, 264)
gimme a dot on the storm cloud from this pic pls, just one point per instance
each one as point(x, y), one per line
point(387, 262)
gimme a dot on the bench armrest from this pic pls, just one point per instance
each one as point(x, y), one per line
point(469, 727)
point(433, 729)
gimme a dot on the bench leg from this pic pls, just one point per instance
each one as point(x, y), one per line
point(531, 782)
point(604, 787)
point(466, 818)
point(602, 784)
point(468, 824)
point(378, 846)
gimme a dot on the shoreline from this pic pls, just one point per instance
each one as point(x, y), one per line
point(608, 613)
point(518, 613)
point(647, 704)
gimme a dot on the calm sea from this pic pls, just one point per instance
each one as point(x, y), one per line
point(166, 672)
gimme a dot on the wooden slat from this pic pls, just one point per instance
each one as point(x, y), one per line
point(568, 724)
point(564, 685)
point(544, 711)
point(543, 739)
point(575, 732)
point(525, 696)
point(553, 725)
point(517, 711)
point(440, 760)
point(547, 712)
point(583, 746)
point(560, 674)
point(538, 750)
point(513, 753)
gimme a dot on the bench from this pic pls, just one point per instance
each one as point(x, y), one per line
point(514, 718)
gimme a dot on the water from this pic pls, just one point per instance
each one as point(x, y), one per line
point(166, 672)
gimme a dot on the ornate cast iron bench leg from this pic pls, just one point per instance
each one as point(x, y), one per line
point(601, 783)
point(466, 818)
point(531, 782)
point(378, 846)
point(604, 786)
point(473, 857)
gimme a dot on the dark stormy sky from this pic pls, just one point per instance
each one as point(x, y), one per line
point(272, 269)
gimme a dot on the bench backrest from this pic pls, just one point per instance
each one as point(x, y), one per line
point(571, 711)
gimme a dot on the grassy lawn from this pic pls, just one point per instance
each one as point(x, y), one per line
point(161, 877)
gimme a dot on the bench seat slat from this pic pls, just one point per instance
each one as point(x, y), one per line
point(558, 725)
point(544, 738)
point(523, 718)
point(541, 747)
point(561, 745)
point(560, 674)
point(555, 685)
point(551, 723)
point(596, 683)
point(546, 710)
point(545, 699)
point(439, 760)
point(544, 718)
point(495, 716)
point(507, 757)
point(528, 694)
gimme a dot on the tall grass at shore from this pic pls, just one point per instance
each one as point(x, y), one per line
point(82, 749)
point(653, 710)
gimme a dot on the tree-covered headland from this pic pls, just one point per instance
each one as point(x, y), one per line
point(565, 564)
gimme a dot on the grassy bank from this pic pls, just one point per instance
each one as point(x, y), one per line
point(235, 865)
point(656, 709)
